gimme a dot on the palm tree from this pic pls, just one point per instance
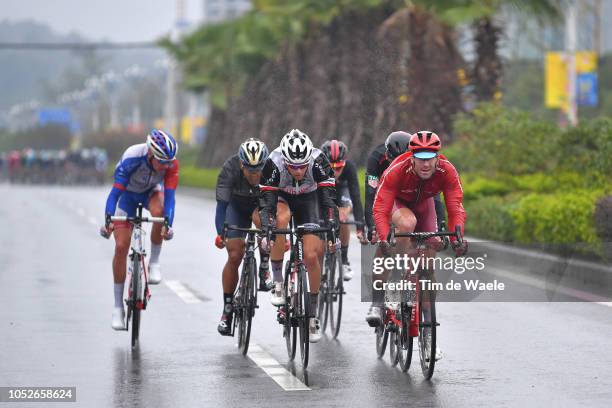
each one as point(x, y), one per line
point(487, 70)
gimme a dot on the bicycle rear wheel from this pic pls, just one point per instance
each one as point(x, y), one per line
point(289, 328)
point(427, 349)
point(135, 289)
point(303, 314)
point(247, 304)
point(335, 298)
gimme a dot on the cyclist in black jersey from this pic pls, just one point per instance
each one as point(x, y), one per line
point(237, 204)
point(348, 197)
point(297, 179)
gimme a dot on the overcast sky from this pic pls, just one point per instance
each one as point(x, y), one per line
point(115, 20)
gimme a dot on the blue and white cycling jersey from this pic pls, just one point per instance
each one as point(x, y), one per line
point(136, 180)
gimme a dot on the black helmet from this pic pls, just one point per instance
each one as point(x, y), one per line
point(397, 143)
point(335, 150)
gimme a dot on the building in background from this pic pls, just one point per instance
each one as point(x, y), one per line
point(215, 11)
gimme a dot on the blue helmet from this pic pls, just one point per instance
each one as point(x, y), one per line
point(162, 145)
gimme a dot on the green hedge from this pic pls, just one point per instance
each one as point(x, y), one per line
point(494, 139)
point(199, 177)
point(476, 186)
point(491, 218)
point(557, 218)
point(546, 220)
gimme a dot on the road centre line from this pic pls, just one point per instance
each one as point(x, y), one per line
point(182, 291)
point(274, 370)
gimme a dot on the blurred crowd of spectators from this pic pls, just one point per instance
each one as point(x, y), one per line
point(29, 166)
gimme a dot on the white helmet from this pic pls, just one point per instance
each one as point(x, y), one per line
point(296, 147)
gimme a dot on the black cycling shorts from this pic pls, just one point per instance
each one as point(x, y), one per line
point(240, 215)
point(303, 207)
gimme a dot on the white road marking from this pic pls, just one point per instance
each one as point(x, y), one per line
point(538, 283)
point(185, 294)
point(278, 373)
point(92, 220)
point(81, 211)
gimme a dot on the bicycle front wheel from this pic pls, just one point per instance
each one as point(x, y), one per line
point(427, 332)
point(382, 336)
point(247, 304)
point(303, 314)
point(405, 341)
point(325, 290)
point(335, 299)
point(135, 289)
point(289, 325)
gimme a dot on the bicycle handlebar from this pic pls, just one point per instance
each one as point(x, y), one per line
point(300, 229)
point(422, 236)
point(359, 224)
point(160, 220)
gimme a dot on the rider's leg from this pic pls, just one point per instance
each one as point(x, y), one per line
point(312, 247)
point(265, 280)
point(278, 249)
point(156, 208)
point(345, 232)
point(235, 252)
point(122, 234)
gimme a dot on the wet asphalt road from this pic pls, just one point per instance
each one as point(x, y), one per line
point(56, 298)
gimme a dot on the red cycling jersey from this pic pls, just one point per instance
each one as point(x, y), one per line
point(400, 182)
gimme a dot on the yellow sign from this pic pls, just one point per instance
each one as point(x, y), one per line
point(556, 84)
point(586, 61)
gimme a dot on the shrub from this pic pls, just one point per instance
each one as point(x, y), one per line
point(491, 218)
point(587, 147)
point(475, 187)
point(553, 220)
point(495, 139)
point(199, 177)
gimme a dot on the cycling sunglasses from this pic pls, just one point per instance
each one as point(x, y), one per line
point(164, 162)
point(297, 166)
point(338, 165)
point(253, 170)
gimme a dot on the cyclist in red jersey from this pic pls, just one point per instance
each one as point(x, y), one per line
point(404, 198)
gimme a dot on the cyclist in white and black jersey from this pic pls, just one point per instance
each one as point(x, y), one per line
point(297, 179)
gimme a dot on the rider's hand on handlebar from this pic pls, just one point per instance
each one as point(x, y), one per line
point(361, 237)
point(460, 248)
point(107, 229)
point(219, 242)
point(372, 236)
point(167, 233)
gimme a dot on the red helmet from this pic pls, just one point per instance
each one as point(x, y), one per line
point(425, 142)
